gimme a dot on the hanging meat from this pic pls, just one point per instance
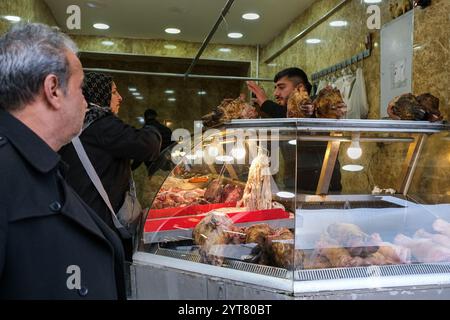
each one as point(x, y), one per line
point(409, 107)
point(298, 98)
point(228, 110)
point(329, 104)
point(258, 192)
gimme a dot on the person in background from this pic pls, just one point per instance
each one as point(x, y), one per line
point(52, 245)
point(111, 145)
point(310, 154)
point(166, 140)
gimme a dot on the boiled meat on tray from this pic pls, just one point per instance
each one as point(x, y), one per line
point(329, 104)
point(440, 239)
point(297, 99)
point(176, 197)
point(425, 250)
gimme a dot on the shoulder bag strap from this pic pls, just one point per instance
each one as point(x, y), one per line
point(94, 178)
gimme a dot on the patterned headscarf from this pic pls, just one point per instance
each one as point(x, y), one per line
point(97, 90)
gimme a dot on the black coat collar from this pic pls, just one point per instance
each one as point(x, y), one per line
point(30, 146)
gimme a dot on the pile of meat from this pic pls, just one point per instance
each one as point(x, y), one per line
point(218, 192)
point(258, 192)
point(328, 104)
point(429, 247)
point(228, 110)
point(410, 107)
point(273, 247)
point(346, 245)
point(176, 197)
point(297, 99)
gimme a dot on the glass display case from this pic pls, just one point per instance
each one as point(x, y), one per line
point(298, 208)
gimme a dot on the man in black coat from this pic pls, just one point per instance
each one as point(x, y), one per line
point(310, 154)
point(52, 245)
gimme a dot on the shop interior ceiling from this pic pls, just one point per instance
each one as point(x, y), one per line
point(147, 19)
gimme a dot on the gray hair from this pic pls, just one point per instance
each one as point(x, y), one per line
point(28, 54)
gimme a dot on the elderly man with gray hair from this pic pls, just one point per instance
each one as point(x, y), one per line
point(52, 245)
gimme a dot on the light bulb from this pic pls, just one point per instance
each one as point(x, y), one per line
point(354, 151)
point(238, 152)
point(213, 151)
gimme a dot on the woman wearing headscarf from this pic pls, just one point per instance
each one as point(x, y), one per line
point(110, 145)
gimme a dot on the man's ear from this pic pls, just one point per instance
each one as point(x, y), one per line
point(52, 91)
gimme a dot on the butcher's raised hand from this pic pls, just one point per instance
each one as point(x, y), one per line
point(307, 109)
point(259, 92)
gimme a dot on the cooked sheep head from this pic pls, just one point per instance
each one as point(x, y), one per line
point(298, 98)
point(329, 104)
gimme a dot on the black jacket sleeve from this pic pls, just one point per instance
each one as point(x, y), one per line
point(273, 109)
point(3, 235)
point(122, 140)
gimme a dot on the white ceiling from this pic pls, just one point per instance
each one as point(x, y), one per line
point(147, 19)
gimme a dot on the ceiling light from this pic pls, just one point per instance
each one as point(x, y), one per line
point(338, 23)
point(132, 89)
point(169, 92)
point(201, 93)
point(313, 41)
point(170, 46)
point(136, 94)
point(250, 16)
point(140, 98)
point(101, 26)
point(353, 167)
point(272, 64)
point(372, 1)
point(107, 43)
point(172, 30)
point(286, 195)
point(235, 35)
point(12, 18)
point(225, 50)
point(172, 99)
point(293, 142)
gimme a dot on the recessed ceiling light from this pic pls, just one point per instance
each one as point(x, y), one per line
point(225, 50)
point(338, 23)
point(169, 92)
point(140, 98)
point(313, 41)
point(201, 93)
point(107, 43)
point(132, 89)
point(170, 46)
point(136, 94)
point(272, 64)
point(250, 16)
point(12, 18)
point(172, 30)
point(353, 167)
point(293, 142)
point(235, 35)
point(372, 1)
point(172, 99)
point(101, 26)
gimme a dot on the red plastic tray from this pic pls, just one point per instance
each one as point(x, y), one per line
point(189, 222)
point(187, 211)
